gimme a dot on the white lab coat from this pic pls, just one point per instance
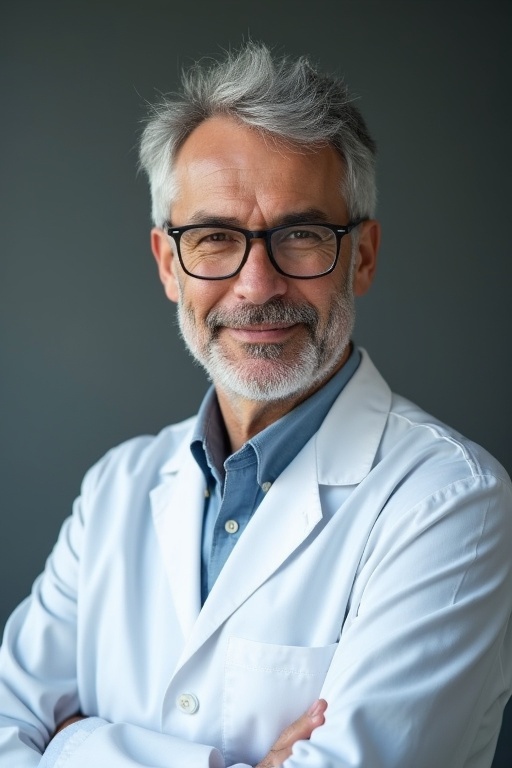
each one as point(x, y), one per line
point(376, 573)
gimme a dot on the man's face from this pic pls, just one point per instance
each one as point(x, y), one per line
point(260, 335)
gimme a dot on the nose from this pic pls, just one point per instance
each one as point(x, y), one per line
point(258, 281)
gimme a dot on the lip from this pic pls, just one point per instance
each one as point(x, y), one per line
point(262, 334)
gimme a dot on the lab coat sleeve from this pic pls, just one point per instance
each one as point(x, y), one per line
point(121, 745)
point(424, 663)
point(38, 684)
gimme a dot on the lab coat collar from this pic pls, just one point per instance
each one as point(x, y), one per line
point(348, 440)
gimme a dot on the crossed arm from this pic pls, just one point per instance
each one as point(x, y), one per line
point(422, 666)
point(302, 728)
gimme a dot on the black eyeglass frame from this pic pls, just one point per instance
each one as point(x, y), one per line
point(339, 230)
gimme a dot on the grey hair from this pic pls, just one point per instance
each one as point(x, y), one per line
point(283, 98)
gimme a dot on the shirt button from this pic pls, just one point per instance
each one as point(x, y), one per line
point(266, 486)
point(188, 703)
point(231, 526)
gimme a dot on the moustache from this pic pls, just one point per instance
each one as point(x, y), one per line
point(273, 312)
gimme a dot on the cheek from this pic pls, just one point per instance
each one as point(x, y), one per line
point(321, 297)
point(198, 299)
point(204, 295)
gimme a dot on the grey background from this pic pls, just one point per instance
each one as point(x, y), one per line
point(89, 352)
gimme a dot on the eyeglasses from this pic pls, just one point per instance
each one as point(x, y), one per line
point(301, 251)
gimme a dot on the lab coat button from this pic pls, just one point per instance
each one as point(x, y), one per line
point(231, 526)
point(188, 703)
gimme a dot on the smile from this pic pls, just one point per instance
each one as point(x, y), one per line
point(262, 334)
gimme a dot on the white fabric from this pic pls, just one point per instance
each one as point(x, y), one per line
point(376, 573)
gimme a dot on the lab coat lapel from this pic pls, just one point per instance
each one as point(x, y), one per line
point(178, 507)
point(284, 519)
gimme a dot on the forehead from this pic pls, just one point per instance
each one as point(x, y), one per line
point(230, 169)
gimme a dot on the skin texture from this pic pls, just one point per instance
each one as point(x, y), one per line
point(229, 171)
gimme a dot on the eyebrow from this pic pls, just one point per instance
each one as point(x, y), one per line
point(306, 216)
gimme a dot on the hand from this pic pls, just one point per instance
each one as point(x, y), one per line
point(300, 729)
point(68, 721)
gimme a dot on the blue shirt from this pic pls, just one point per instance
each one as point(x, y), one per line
point(237, 483)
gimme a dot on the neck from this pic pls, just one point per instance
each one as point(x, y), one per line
point(245, 418)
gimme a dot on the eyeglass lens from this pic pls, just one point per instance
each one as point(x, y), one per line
point(305, 250)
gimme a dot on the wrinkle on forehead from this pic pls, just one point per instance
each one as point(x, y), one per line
point(224, 165)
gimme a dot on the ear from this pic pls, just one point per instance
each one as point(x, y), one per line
point(366, 257)
point(163, 251)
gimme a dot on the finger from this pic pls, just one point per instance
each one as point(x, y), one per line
point(68, 721)
point(303, 727)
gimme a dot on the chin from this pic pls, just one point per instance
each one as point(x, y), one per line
point(265, 379)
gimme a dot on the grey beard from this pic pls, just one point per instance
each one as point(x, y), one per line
point(264, 351)
point(313, 362)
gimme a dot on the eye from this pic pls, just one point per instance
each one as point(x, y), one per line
point(217, 237)
point(206, 236)
point(300, 234)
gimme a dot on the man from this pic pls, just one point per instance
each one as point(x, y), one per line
point(311, 549)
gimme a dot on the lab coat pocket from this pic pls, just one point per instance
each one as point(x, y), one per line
point(266, 687)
